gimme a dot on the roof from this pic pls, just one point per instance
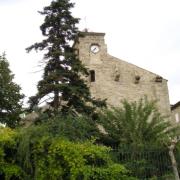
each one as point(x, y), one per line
point(174, 106)
point(85, 33)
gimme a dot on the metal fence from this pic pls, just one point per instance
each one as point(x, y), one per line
point(145, 164)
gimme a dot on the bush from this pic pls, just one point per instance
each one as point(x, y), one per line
point(61, 159)
point(62, 148)
point(34, 153)
point(8, 147)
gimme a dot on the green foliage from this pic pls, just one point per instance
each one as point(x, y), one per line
point(137, 124)
point(141, 136)
point(63, 146)
point(7, 141)
point(144, 162)
point(8, 147)
point(10, 103)
point(54, 158)
point(177, 155)
point(62, 85)
point(72, 128)
point(70, 161)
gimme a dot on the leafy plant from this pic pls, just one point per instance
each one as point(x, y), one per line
point(70, 161)
point(140, 135)
point(8, 148)
point(73, 128)
point(137, 124)
point(67, 151)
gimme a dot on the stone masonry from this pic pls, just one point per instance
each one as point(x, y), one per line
point(114, 79)
point(175, 109)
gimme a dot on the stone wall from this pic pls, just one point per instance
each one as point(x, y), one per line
point(176, 112)
point(116, 80)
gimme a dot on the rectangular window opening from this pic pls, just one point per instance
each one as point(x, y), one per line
point(177, 117)
point(92, 75)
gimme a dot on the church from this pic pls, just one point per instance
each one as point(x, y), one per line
point(114, 79)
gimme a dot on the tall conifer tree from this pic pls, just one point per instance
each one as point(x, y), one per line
point(62, 82)
point(10, 96)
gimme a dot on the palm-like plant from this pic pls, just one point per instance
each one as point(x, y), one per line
point(136, 124)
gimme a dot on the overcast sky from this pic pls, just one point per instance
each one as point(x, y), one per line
point(143, 32)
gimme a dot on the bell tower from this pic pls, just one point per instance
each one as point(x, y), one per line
point(115, 79)
point(91, 47)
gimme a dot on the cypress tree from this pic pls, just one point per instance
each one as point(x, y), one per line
point(10, 96)
point(62, 86)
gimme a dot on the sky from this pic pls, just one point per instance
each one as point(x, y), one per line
point(143, 32)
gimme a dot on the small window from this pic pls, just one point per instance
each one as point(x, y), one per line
point(117, 77)
point(177, 117)
point(137, 79)
point(92, 75)
point(158, 79)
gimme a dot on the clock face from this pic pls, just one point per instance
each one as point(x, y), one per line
point(95, 48)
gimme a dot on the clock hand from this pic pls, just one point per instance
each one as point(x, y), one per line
point(94, 49)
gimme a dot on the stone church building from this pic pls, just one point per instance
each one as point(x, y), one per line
point(114, 79)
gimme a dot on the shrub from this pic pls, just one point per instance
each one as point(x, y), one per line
point(8, 146)
point(43, 156)
point(61, 159)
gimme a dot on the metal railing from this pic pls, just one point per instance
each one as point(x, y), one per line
point(150, 164)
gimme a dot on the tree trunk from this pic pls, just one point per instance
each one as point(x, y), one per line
point(173, 161)
point(56, 100)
